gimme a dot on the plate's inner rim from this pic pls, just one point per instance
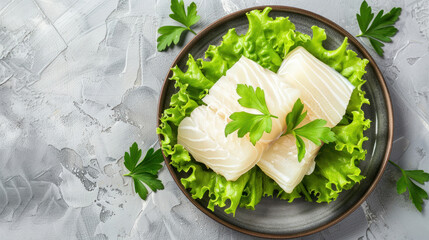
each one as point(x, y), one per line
point(362, 52)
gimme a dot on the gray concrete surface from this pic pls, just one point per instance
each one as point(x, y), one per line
point(79, 82)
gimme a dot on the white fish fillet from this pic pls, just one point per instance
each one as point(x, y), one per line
point(202, 134)
point(280, 162)
point(279, 95)
point(325, 94)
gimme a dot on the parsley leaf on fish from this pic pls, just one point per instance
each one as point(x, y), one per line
point(416, 193)
point(244, 122)
point(313, 131)
point(172, 34)
point(381, 28)
point(146, 172)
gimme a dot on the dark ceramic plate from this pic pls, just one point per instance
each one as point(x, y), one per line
point(276, 218)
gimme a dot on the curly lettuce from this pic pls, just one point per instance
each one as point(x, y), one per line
point(267, 42)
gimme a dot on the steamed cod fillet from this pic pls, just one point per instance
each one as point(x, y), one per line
point(279, 95)
point(325, 94)
point(280, 162)
point(202, 134)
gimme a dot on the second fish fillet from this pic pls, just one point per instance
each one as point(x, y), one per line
point(325, 94)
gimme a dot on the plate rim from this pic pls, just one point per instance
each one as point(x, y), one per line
point(365, 53)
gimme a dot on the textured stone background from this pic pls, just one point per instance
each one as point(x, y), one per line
point(79, 82)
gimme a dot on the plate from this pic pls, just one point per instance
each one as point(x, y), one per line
point(274, 218)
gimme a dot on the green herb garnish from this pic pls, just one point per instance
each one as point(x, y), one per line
point(244, 122)
point(313, 131)
point(381, 28)
point(172, 34)
point(146, 172)
point(416, 193)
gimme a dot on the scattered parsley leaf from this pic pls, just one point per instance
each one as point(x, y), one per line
point(146, 172)
point(179, 14)
point(169, 35)
point(365, 16)
point(313, 131)
point(131, 158)
point(151, 163)
point(172, 34)
point(416, 193)
point(381, 28)
point(244, 122)
point(418, 175)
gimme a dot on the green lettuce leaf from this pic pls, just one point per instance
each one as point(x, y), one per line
point(181, 106)
point(253, 190)
point(341, 173)
point(196, 83)
point(267, 42)
point(220, 190)
point(351, 136)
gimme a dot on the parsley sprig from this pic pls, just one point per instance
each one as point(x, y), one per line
point(172, 34)
point(146, 172)
point(381, 28)
point(416, 193)
point(244, 122)
point(313, 131)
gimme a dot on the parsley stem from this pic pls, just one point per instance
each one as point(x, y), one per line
point(192, 31)
point(396, 165)
point(364, 35)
